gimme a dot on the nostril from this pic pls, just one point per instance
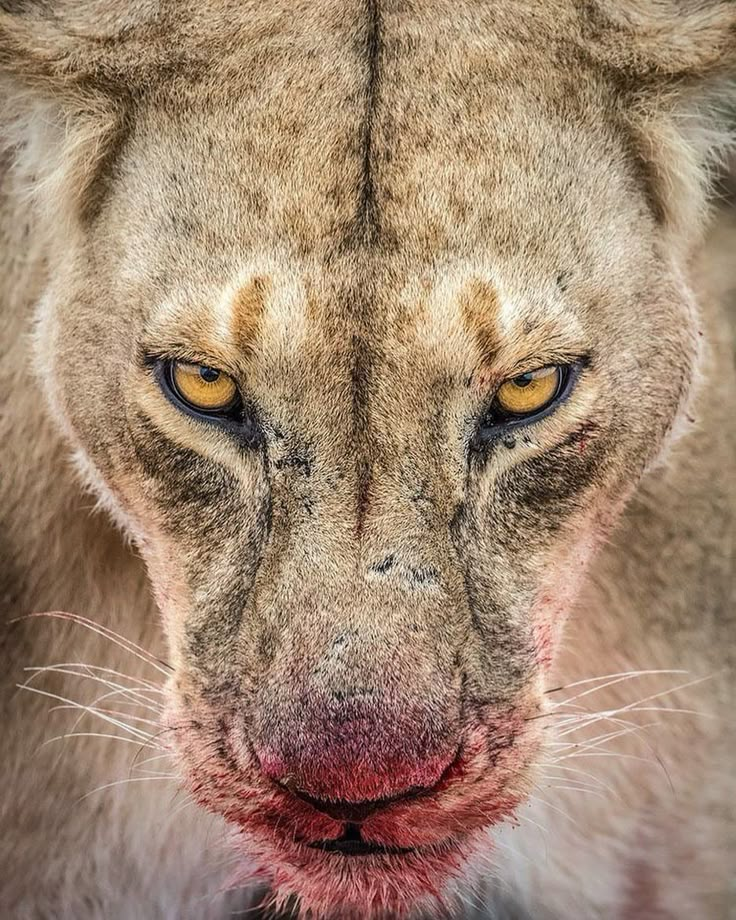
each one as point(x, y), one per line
point(352, 812)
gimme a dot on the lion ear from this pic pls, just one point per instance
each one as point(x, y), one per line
point(661, 40)
point(67, 43)
point(674, 63)
point(67, 68)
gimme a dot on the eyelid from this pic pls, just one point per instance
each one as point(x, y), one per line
point(542, 360)
point(162, 370)
point(242, 422)
point(182, 375)
point(184, 354)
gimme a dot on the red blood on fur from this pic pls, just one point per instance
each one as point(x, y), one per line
point(370, 751)
point(445, 825)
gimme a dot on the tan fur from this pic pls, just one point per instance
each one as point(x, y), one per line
point(369, 215)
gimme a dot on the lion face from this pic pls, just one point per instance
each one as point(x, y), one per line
point(368, 381)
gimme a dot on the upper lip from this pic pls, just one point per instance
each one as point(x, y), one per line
point(355, 813)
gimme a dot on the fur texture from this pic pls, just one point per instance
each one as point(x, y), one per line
point(370, 215)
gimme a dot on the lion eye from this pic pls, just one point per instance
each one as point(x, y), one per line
point(528, 393)
point(203, 388)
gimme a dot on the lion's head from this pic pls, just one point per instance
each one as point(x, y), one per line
point(365, 320)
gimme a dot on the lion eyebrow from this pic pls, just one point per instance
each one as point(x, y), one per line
point(480, 305)
point(221, 324)
point(244, 306)
point(511, 336)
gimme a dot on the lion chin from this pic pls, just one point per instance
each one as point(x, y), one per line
point(352, 879)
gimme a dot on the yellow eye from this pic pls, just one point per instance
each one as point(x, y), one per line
point(529, 393)
point(202, 387)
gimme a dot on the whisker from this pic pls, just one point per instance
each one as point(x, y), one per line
point(110, 712)
point(106, 696)
point(609, 736)
point(160, 773)
point(657, 696)
point(142, 736)
point(636, 705)
point(90, 735)
point(578, 724)
point(126, 644)
point(583, 789)
point(591, 776)
point(150, 759)
point(123, 782)
point(136, 696)
point(618, 754)
point(591, 751)
point(611, 679)
point(543, 831)
point(547, 780)
point(155, 739)
point(138, 692)
point(144, 685)
point(537, 798)
point(611, 714)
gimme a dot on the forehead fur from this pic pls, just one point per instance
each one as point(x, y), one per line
point(307, 83)
point(365, 182)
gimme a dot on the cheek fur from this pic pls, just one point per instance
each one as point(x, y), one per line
point(559, 591)
point(170, 589)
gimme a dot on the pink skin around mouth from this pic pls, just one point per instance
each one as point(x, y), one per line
point(359, 781)
point(443, 826)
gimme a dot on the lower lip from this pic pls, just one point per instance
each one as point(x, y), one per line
point(353, 848)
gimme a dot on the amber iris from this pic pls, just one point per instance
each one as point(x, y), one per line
point(203, 388)
point(529, 393)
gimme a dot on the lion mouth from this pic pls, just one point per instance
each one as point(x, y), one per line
point(362, 857)
point(351, 843)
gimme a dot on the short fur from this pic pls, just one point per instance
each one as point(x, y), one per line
point(370, 214)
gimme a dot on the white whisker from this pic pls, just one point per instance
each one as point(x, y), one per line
point(586, 790)
point(544, 802)
point(611, 679)
point(137, 695)
point(90, 735)
point(111, 712)
point(126, 644)
point(144, 684)
point(142, 736)
point(123, 782)
point(140, 763)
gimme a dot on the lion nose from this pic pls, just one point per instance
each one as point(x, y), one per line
point(349, 758)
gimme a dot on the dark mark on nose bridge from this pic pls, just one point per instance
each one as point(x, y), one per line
point(385, 565)
point(423, 577)
point(360, 379)
point(296, 462)
point(416, 576)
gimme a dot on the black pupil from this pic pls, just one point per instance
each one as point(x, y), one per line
point(208, 374)
point(523, 380)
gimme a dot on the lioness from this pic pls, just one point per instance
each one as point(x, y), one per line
point(390, 336)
